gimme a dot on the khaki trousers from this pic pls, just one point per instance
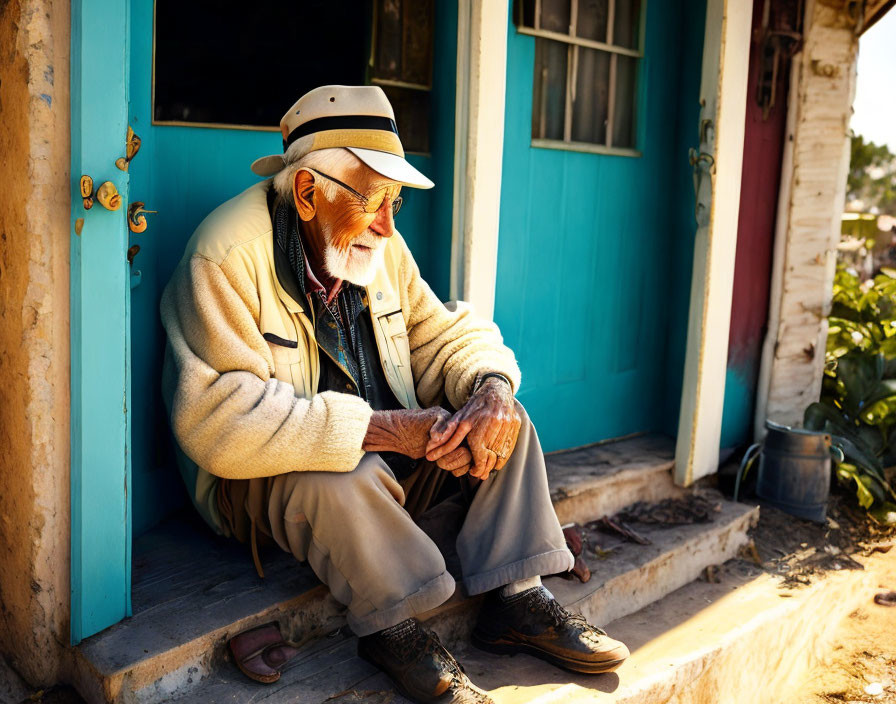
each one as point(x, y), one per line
point(356, 532)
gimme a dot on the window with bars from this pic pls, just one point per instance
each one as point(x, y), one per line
point(401, 58)
point(587, 56)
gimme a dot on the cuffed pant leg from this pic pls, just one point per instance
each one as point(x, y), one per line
point(511, 531)
point(353, 531)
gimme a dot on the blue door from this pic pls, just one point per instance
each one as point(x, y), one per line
point(597, 212)
point(124, 479)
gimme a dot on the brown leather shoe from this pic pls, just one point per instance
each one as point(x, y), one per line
point(533, 622)
point(418, 664)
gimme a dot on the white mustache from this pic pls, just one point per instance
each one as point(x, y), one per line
point(373, 243)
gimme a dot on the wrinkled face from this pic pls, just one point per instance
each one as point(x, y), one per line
point(354, 240)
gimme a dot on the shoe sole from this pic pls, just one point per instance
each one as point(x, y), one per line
point(264, 679)
point(584, 667)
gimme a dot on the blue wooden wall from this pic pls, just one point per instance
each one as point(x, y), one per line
point(184, 173)
point(591, 249)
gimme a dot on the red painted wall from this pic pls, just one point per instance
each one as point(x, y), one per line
point(763, 147)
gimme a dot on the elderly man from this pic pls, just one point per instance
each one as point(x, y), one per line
point(307, 375)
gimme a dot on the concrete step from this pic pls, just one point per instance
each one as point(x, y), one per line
point(628, 579)
point(599, 480)
point(192, 590)
point(745, 639)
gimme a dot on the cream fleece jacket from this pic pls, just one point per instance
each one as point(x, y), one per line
point(229, 414)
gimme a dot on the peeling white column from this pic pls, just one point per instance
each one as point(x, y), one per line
point(479, 149)
point(813, 186)
point(723, 93)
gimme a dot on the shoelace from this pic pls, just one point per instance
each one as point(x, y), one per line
point(459, 678)
point(552, 608)
point(434, 646)
point(408, 643)
point(560, 616)
point(415, 641)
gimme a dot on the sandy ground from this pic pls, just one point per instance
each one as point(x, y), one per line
point(864, 654)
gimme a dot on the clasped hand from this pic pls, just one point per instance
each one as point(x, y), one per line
point(478, 439)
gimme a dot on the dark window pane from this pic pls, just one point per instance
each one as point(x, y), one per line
point(411, 117)
point(624, 116)
point(403, 53)
point(524, 13)
point(240, 62)
point(549, 95)
point(404, 31)
point(417, 37)
point(627, 23)
point(589, 106)
point(388, 40)
point(555, 15)
point(592, 20)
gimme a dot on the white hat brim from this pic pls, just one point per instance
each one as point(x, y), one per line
point(268, 165)
point(391, 166)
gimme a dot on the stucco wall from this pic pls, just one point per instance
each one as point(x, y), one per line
point(34, 348)
point(812, 196)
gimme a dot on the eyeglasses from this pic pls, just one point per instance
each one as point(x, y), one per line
point(370, 204)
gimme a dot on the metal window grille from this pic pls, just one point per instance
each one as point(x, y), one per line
point(401, 63)
point(587, 56)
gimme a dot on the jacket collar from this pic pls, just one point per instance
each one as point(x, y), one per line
point(288, 280)
point(291, 285)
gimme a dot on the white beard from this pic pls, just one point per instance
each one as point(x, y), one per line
point(352, 264)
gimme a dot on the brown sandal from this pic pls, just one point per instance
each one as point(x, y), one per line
point(885, 598)
point(575, 541)
point(261, 653)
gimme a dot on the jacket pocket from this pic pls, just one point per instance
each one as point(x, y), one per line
point(289, 363)
point(277, 340)
point(395, 335)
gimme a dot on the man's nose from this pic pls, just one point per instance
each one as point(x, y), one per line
point(384, 224)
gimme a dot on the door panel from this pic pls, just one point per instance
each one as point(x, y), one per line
point(100, 480)
point(592, 236)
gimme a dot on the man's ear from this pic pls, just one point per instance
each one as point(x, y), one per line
point(303, 194)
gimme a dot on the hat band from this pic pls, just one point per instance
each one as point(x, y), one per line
point(341, 122)
point(377, 140)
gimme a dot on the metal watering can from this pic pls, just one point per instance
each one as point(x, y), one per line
point(794, 470)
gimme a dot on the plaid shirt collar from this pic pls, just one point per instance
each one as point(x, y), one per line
point(312, 283)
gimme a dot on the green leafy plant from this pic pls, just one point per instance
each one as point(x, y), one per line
point(858, 397)
point(872, 175)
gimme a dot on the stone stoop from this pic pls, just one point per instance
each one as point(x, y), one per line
point(599, 480)
point(192, 590)
point(741, 640)
point(629, 579)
